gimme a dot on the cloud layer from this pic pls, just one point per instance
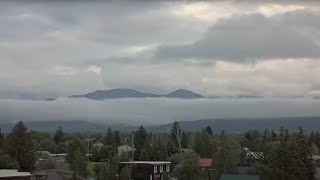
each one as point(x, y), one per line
point(155, 110)
point(54, 49)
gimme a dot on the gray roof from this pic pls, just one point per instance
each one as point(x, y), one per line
point(13, 173)
point(147, 162)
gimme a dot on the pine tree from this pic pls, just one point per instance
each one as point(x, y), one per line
point(74, 145)
point(304, 152)
point(209, 130)
point(21, 148)
point(79, 165)
point(140, 137)
point(59, 136)
point(117, 138)
point(174, 139)
point(227, 155)
point(109, 138)
point(184, 140)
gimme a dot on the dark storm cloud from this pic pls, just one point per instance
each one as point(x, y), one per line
point(248, 37)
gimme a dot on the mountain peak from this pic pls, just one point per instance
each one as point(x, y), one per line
point(183, 93)
point(130, 93)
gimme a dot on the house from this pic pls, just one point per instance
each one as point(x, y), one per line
point(125, 149)
point(13, 174)
point(251, 158)
point(153, 170)
point(52, 174)
point(205, 165)
point(239, 177)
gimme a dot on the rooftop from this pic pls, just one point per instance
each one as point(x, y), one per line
point(13, 173)
point(205, 162)
point(147, 162)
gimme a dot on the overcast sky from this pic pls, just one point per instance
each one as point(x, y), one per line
point(52, 49)
point(221, 48)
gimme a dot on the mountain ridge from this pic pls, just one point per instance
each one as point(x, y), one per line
point(131, 93)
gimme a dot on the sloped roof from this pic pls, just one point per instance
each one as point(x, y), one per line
point(205, 162)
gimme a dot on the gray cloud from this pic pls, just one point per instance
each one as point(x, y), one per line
point(154, 111)
point(247, 38)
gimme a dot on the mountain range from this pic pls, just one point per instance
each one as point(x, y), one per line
point(130, 93)
point(230, 125)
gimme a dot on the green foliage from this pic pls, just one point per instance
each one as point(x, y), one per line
point(47, 164)
point(72, 146)
point(21, 147)
point(106, 152)
point(59, 136)
point(61, 148)
point(205, 144)
point(184, 140)
point(109, 138)
point(107, 170)
point(6, 162)
point(125, 174)
point(79, 165)
point(117, 138)
point(188, 169)
point(225, 159)
point(140, 137)
point(174, 139)
point(47, 145)
point(287, 157)
point(252, 139)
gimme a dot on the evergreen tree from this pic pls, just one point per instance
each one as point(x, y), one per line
point(59, 136)
point(74, 145)
point(184, 140)
point(252, 140)
point(1, 139)
point(117, 138)
point(140, 137)
point(205, 144)
point(107, 170)
point(79, 165)
point(188, 169)
point(21, 148)
point(174, 139)
point(304, 152)
point(109, 138)
point(227, 155)
point(6, 162)
point(209, 130)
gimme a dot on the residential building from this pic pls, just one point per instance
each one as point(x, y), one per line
point(152, 170)
point(205, 165)
point(52, 174)
point(13, 174)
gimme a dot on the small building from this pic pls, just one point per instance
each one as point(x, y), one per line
point(251, 158)
point(13, 174)
point(52, 174)
point(205, 165)
point(152, 170)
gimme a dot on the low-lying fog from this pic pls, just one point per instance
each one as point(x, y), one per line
point(155, 110)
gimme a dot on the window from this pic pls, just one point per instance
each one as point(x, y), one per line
point(168, 168)
point(161, 168)
point(155, 169)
